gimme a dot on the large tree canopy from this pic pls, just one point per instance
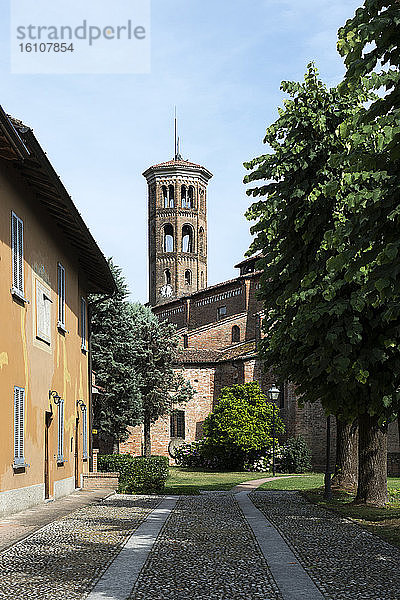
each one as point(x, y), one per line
point(134, 355)
point(114, 348)
point(329, 256)
point(161, 386)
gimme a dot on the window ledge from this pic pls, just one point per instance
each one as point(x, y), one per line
point(61, 328)
point(84, 349)
point(20, 466)
point(17, 295)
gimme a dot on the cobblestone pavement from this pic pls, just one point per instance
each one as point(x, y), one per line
point(17, 526)
point(345, 561)
point(63, 560)
point(206, 551)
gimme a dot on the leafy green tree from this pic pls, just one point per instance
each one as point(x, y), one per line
point(322, 332)
point(370, 44)
point(114, 346)
point(240, 427)
point(161, 386)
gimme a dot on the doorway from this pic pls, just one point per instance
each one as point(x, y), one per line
point(76, 457)
point(48, 418)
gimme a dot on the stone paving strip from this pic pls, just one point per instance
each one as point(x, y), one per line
point(64, 559)
point(117, 582)
point(345, 561)
point(292, 580)
point(206, 551)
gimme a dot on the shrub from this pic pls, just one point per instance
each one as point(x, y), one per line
point(296, 456)
point(239, 430)
point(195, 455)
point(264, 462)
point(137, 474)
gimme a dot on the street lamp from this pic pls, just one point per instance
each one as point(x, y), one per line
point(273, 395)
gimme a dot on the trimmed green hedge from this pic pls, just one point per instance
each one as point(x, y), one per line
point(137, 474)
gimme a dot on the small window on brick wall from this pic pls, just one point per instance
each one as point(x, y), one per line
point(178, 424)
point(221, 312)
point(185, 341)
point(235, 334)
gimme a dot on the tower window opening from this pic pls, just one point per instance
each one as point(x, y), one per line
point(167, 277)
point(235, 333)
point(187, 239)
point(185, 341)
point(188, 277)
point(165, 196)
point(168, 238)
point(201, 241)
point(183, 197)
point(171, 194)
point(190, 199)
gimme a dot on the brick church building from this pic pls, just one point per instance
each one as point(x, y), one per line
point(219, 325)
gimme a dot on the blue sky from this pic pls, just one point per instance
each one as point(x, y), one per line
point(221, 62)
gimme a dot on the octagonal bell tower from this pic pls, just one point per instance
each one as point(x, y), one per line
point(177, 215)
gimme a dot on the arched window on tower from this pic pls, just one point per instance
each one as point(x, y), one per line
point(185, 341)
point(201, 241)
point(171, 194)
point(165, 196)
point(188, 277)
point(190, 200)
point(167, 277)
point(235, 334)
point(168, 238)
point(183, 196)
point(202, 280)
point(187, 238)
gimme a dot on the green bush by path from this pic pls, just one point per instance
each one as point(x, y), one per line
point(239, 430)
point(295, 456)
point(138, 475)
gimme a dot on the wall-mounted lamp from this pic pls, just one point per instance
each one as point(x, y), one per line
point(81, 404)
point(56, 397)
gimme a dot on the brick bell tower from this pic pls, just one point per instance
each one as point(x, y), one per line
point(177, 214)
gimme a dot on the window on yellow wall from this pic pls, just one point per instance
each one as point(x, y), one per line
point(83, 325)
point(43, 312)
point(19, 426)
point(61, 296)
point(17, 244)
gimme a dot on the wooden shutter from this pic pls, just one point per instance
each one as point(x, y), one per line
point(61, 295)
point(177, 424)
point(19, 425)
point(17, 239)
point(83, 323)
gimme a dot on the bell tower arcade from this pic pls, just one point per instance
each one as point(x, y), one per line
point(177, 219)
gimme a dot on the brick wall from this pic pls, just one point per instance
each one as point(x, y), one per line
point(100, 481)
point(202, 380)
point(216, 336)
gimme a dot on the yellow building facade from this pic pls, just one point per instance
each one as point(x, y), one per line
point(49, 263)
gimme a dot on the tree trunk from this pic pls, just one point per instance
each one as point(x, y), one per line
point(147, 436)
point(346, 468)
point(372, 466)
